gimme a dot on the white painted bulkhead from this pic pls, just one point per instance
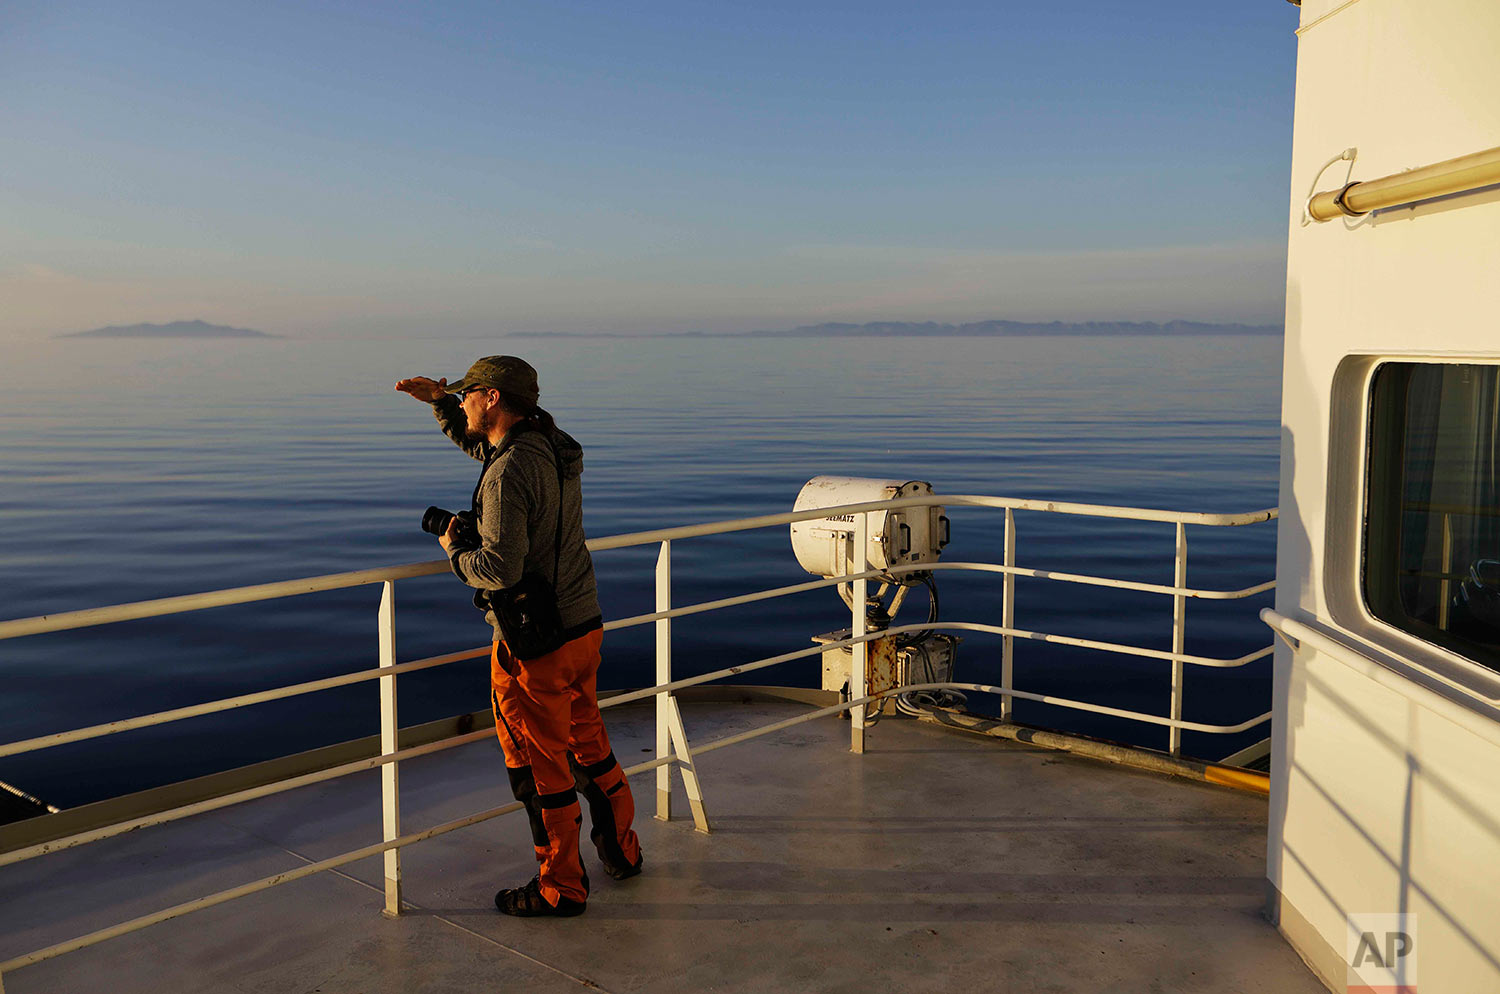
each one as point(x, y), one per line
point(1386, 759)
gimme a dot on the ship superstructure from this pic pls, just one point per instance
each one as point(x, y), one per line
point(1385, 804)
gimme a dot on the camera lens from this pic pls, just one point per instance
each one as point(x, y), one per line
point(435, 520)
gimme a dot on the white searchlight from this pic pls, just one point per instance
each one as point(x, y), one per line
point(897, 539)
point(905, 536)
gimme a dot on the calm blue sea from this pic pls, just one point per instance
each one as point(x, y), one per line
point(140, 469)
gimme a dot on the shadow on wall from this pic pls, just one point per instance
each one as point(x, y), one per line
point(1301, 600)
point(1416, 775)
point(1293, 558)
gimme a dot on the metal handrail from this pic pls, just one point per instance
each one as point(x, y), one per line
point(345, 679)
point(672, 745)
point(1470, 708)
point(230, 703)
point(90, 617)
point(359, 766)
point(1439, 179)
point(797, 588)
point(237, 595)
point(946, 500)
point(135, 610)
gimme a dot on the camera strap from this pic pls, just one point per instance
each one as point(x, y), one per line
point(557, 533)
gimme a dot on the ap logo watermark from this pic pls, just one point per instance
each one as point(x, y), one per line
point(1382, 954)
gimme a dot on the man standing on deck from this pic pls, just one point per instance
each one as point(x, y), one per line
point(528, 508)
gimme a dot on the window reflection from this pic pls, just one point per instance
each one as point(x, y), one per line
point(1432, 538)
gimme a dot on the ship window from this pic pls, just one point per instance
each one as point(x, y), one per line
point(1432, 520)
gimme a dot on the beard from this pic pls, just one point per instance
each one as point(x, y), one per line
point(477, 427)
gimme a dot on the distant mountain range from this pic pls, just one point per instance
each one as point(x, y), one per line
point(976, 329)
point(984, 329)
point(1012, 328)
point(176, 329)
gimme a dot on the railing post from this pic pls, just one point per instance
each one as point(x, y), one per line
point(664, 675)
point(671, 735)
point(1179, 637)
point(1008, 617)
point(390, 782)
point(861, 653)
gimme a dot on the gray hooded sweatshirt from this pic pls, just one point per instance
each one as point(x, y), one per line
point(516, 507)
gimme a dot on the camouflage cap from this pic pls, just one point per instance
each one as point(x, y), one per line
point(500, 372)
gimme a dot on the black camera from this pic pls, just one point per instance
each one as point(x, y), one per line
point(435, 521)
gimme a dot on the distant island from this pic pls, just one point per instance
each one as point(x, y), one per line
point(176, 329)
point(976, 329)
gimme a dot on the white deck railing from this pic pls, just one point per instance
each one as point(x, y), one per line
point(672, 747)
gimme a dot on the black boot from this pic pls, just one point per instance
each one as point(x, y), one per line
point(528, 902)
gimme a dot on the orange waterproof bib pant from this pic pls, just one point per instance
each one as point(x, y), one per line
point(547, 718)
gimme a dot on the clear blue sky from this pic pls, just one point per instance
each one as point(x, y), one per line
point(370, 168)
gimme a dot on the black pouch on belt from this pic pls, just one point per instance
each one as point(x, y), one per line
point(527, 612)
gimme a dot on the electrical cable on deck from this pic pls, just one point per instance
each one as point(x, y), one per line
point(918, 703)
point(922, 702)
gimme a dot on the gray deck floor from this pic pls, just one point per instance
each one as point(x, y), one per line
point(936, 861)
